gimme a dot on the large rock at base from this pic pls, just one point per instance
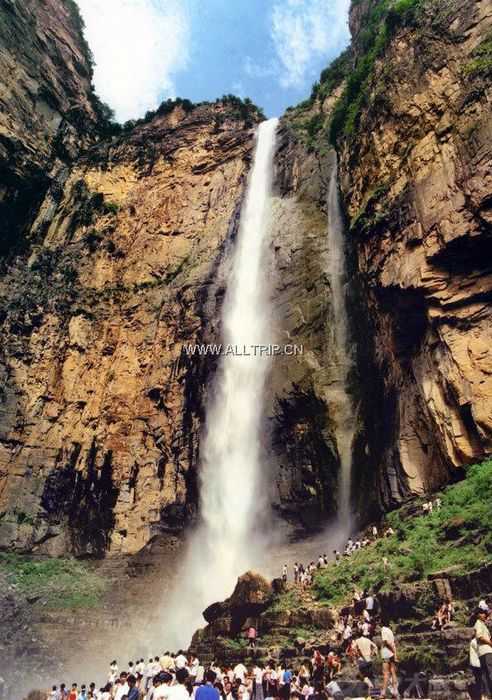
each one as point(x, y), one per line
point(213, 611)
point(252, 595)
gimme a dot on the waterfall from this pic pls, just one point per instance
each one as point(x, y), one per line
point(343, 410)
point(229, 539)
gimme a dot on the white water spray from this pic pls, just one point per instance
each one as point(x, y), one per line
point(343, 410)
point(229, 540)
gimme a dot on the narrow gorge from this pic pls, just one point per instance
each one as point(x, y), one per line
point(357, 227)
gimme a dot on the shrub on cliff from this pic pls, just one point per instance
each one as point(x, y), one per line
point(421, 544)
point(384, 19)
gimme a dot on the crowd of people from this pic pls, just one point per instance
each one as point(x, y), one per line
point(361, 637)
point(183, 677)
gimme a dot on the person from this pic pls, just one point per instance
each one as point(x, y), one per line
point(333, 664)
point(73, 695)
point(208, 691)
point(334, 690)
point(122, 688)
point(83, 693)
point(161, 686)
point(133, 691)
point(374, 532)
point(389, 532)
point(482, 635)
point(483, 605)
point(252, 637)
point(390, 659)
point(475, 691)
point(284, 573)
point(365, 650)
point(106, 692)
point(93, 693)
point(318, 663)
point(285, 683)
point(63, 691)
point(179, 690)
point(180, 660)
point(270, 684)
point(258, 682)
point(296, 573)
point(438, 503)
point(54, 694)
point(240, 672)
point(338, 557)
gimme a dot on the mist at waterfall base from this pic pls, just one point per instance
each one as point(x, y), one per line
point(230, 537)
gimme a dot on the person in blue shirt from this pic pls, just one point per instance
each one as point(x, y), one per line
point(207, 691)
point(133, 691)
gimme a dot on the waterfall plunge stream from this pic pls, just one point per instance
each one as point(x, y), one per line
point(233, 494)
point(343, 410)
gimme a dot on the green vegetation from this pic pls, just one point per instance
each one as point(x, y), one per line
point(245, 109)
point(457, 537)
point(332, 76)
point(385, 18)
point(60, 583)
point(111, 208)
point(481, 64)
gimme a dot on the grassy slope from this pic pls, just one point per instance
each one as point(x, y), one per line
point(458, 537)
point(59, 583)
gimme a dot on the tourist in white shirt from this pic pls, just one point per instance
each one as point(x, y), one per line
point(389, 656)
point(179, 691)
point(482, 635)
point(180, 661)
point(240, 672)
point(122, 688)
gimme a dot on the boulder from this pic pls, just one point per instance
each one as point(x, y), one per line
point(253, 593)
point(213, 611)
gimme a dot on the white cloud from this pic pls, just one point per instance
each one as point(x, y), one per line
point(253, 69)
point(304, 30)
point(138, 46)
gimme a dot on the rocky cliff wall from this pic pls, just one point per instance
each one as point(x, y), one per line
point(303, 389)
point(47, 107)
point(101, 408)
point(416, 180)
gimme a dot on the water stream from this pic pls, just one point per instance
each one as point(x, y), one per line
point(233, 487)
point(342, 408)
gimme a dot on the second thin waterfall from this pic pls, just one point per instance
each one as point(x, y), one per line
point(342, 405)
point(233, 504)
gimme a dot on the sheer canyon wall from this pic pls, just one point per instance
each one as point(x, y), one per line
point(115, 256)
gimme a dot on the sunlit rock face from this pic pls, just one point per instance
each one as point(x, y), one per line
point(47, 108)
point(121, 266)
point(101, 407)
point(416, 180)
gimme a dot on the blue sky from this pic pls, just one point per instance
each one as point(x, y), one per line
point(269, 50)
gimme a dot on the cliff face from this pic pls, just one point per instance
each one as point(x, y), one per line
point(118, 265)
point(408, 106)
point(116, 256)
point(47, 106)
point(101, 407)
point(416, 180)
point(303, 388)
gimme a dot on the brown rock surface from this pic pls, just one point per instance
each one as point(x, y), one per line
point(416, 180)
point(47, 108)
point(101, 405)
